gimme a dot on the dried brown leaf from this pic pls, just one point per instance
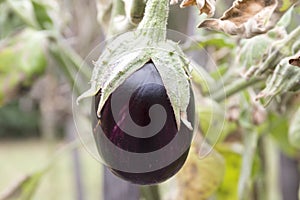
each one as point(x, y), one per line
point(248, 18)
point(205, 6)
point(295, 61)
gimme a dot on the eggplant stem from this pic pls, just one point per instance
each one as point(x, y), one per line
point(154, 23)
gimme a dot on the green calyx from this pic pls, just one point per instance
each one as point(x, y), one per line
point(131, 51)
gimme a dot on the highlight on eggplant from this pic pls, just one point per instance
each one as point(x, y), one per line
point(136, 133)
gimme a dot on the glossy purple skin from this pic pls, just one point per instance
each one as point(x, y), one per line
point(150, 91)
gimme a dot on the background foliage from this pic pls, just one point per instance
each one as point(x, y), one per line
point(42, 46)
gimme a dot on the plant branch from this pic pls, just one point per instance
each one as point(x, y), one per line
point(282, 49)
point(235, 87)
point(154, 23)
point(250, 141)
point(271, 169)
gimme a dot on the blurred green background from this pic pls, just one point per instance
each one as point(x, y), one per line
point(43, 45)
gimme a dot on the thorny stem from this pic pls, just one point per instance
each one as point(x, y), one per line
point(154, 23)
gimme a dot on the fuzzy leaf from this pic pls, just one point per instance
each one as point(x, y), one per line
point(253, 49)
point(204, 6)
point(171, 68)
point(286, 19)
point(285, 78)
point(294, 130)
point(287, 46)
point(248, 18)
point(116, 49)
point(118, 72)
point(25, 10)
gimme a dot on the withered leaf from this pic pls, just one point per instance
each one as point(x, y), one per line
point(248, 18)
point(205, 6)
point(295, 61)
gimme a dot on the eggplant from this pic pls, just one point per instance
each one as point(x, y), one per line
point(136, 133)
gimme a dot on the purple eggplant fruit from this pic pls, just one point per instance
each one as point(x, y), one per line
point(136, 133)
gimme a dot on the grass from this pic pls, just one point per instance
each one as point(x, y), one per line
point(19, 158)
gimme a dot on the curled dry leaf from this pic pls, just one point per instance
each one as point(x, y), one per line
point(205, 6)
point(295, 61)
point(248, 18)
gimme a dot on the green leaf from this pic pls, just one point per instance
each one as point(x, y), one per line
point(218, 40)
point(278, 51)
point(199, 178)
point(285, 78)
point(175, 80)
point(121, 58)
point(24, 52)
point(232, 153)
point(25, 10)
point(285, 20)
point(22, 58)
point(278, 128)
point(9, 21)
point(286, 4)
point(253, 50)
point(25, 188)
point(42, 14)
point(294, 130)
point(117, 49)
point(129, 52)
point(212, 121)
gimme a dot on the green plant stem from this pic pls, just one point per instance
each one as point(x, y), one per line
point(72, 64)
point(154, 23)
point(271, 169)
point(299, 192)
point(250, 141)
point(235, 87)
point(150, 192)
point(78, 63)
point(285, 48)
